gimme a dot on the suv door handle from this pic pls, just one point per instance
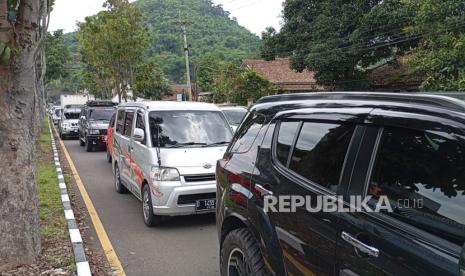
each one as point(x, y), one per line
point(362, 247)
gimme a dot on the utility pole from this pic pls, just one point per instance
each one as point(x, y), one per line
point(186, 53)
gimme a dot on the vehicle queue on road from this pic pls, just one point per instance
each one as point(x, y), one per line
point(184, 159)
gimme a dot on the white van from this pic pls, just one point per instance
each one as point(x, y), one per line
point(165, 153)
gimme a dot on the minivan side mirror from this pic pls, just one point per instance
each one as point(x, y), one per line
point(138, 135)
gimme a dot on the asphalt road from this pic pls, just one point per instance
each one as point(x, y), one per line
point(181, 246)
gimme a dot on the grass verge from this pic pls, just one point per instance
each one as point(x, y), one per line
point(54, 228)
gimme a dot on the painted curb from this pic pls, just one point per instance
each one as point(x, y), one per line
point(82, 265)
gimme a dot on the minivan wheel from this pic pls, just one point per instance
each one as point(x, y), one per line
point(81, 143)
point(150, 219)
point(240, 255)
point(109, 158)
point(120, 189)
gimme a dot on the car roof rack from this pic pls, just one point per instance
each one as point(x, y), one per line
point(101, 104)
point(443, 100)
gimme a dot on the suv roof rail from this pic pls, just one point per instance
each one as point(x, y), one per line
point(101, 103)
point(444, 100)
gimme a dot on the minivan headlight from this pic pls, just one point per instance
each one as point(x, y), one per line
point(165, 174)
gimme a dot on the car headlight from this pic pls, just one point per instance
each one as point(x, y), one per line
point(94, 132)
point(165, 174)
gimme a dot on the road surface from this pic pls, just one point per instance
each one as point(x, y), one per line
point(181, 246)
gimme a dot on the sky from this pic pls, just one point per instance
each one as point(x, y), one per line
point(255, 15)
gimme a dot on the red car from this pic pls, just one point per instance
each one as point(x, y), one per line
point(110, 134)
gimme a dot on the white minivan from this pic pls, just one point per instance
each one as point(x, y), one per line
point(165, 153)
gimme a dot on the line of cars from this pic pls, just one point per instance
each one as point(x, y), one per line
point(184, 158)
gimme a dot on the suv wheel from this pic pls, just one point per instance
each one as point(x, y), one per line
point(81, 143)
point(89, 146)
point(120, 189)
point(150, 218)
point(240, 255)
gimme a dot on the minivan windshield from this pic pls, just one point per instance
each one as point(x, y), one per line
point(174, 129)
point(71, 115)
point(100, 114)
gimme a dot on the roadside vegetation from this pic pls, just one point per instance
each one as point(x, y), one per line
point(56, 256)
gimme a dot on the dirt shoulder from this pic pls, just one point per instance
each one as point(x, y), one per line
point(94, 253)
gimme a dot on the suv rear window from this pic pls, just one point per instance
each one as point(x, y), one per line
point(100, 114)
point(319, 152)
point(423, 176)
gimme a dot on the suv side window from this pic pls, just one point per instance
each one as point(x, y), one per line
point(320, 152)
point(128, 122)
point(422, 174)
point(140, 124)
point(120, 122)
point(248, 133)
point(286, 134)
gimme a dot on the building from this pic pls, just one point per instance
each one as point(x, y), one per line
point(395, 76)
point(279, 73)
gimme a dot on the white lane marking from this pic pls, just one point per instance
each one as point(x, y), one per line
point(62, 186)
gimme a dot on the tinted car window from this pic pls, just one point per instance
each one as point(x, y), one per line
point(247, 134)
point(128, 123)
point(120, 122)
point(71, 115)
point(188, 128)
point(286, 134)
point(100, 114)
point(320, 152)
point(423, 176)
point(235, 116)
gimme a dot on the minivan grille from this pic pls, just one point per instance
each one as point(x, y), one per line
point(191, 199)
point(199, 177)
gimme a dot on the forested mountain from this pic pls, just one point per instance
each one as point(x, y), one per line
point(211, 34)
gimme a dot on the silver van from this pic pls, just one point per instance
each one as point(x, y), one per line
point(165, 153)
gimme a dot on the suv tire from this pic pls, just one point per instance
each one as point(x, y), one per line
point(81, 143)
point(240, 246)
point(89, 147)
point(150, 219)
point(120, 188)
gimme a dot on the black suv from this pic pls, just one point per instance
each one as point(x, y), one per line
point(93, 123)
point(406, 148)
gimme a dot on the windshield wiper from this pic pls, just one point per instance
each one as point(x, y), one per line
point(218, 144)
point(180, 145)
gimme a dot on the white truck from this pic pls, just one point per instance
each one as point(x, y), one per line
point(76, 99)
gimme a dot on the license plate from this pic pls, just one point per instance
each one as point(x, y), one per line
point(205, 204)
point(105, 139)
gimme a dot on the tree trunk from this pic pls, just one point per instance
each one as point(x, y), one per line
point(21, 112)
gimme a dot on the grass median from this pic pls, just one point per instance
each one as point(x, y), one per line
point(54, 228)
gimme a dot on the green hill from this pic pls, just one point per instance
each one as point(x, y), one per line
point(211, 33)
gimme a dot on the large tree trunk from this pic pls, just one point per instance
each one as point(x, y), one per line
point(21, 111)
